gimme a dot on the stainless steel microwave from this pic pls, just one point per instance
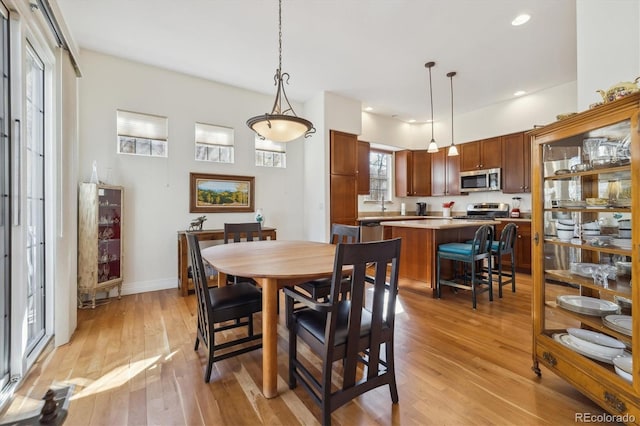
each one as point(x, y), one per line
point(480, 180)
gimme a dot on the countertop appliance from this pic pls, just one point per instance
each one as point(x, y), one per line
point(480, 180)
point(421, 209)
point(485, 211)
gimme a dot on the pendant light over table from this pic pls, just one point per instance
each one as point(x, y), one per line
point(433, 146)
point(452, 149)
point(282, 124)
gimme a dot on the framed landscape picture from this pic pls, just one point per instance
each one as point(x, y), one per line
point(221, 193)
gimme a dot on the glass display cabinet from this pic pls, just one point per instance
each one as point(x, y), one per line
point(585, 251)
point(99, 241)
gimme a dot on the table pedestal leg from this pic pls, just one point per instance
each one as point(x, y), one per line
point(269, 337)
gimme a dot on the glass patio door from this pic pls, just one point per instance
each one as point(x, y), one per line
point(35, 197)
point(5, 222)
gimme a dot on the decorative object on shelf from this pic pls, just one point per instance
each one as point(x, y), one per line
point(433, 146)
point(196, 224)
point(94, 172)
point(221, 193)
point(282, 124)
point(260, 217)
point(565, 115)
point(452, 149)
point(619, 90)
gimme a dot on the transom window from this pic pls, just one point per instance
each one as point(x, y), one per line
point(270, 154)
point(214, 143)
point(142, 134)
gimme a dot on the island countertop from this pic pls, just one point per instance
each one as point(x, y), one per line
point(438, 223)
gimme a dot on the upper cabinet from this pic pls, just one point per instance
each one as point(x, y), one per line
point(445, 174)
point(343, 201)
point(480, 155)
point(412, 173)
point(363, 167)
point(344, 153)
point(516, 171)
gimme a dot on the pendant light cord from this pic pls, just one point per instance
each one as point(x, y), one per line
point(450, 75)
point(280, 36)
point(429, 65)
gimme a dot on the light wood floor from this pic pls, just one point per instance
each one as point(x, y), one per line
point(132, 362)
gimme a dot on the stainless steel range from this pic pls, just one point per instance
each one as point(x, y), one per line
point(485, 211)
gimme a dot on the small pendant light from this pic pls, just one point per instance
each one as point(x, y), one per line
point(433, 146)
point(453, 151)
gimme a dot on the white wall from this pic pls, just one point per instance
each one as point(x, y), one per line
point(608, 46)
point(507, 117)
point(157, 189)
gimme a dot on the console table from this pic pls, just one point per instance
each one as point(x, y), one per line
point(184, 283)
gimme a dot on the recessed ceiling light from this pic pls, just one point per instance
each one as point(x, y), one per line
point(411, 120)
point(520, 93)
point(368, 109)
point(521, 19)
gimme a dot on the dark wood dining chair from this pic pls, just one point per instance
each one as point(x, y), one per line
point(234, 233)
point(340, 233)
point(354, 331)
point(222, 308)
point(504, 249)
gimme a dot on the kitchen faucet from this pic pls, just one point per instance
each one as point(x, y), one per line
point(382, 207)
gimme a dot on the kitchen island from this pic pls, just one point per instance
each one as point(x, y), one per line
point(420, 240)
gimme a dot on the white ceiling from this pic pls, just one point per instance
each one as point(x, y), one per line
point(370, 50)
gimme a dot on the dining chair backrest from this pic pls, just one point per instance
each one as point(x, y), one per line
point(344, 234)
point(200, 284)
point(236, 231)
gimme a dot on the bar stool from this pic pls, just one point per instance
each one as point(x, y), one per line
point(502, 248)
point(471, 254)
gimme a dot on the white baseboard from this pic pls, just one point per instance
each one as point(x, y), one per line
point(146, 286)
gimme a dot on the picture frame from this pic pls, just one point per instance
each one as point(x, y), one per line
point(209, 193)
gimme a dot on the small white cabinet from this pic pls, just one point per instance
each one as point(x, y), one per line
point(99, 241)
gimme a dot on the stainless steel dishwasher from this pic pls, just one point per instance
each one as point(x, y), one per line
point(371, 231)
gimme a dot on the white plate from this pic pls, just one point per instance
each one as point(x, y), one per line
point(595, 337)
point(587, 305)
point(593, 349)
point(628, 377)
point(620, 323)
point(624, 363)
point(576, 345)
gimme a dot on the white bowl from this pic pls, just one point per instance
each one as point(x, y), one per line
point(591, 226)
point(590, 232)
point(565, 235)
point(566, 222)
point(624, 223)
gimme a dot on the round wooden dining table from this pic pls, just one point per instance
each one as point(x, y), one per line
point(273, 264)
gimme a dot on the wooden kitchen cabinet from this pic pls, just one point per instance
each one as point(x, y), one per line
point(445, 174)
point(481, 155)
point(412, 173)
point(516, 172)
point(363, 168)
point(343, 198)
point(522, 244)
point(566, 297)
point(100, 255)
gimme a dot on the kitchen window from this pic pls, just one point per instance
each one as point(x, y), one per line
point(270, 154)
point(142, 134)
point(379, 175)
point(214, 143)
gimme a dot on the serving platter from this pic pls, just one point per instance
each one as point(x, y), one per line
point(590, 351)
point(587, 305)
point(597, 338)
